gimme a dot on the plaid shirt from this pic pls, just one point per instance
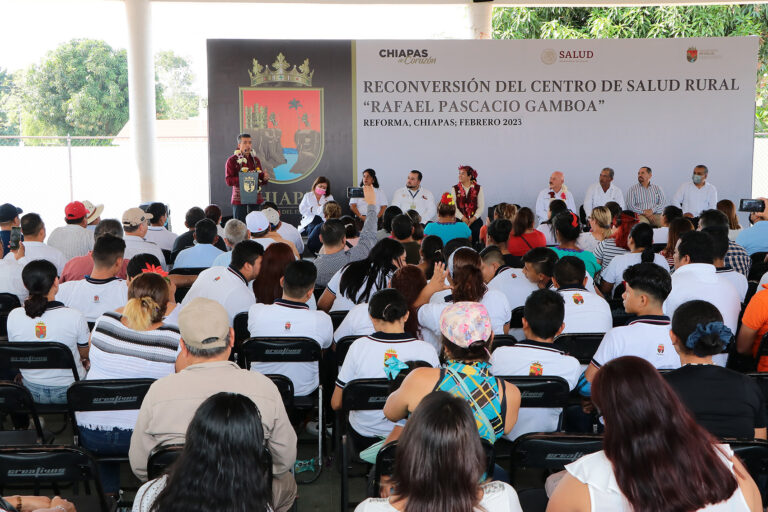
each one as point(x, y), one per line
point(640, 198)
point(737, 258)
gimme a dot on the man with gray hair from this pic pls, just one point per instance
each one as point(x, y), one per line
point(556, 190)
point(79, 267)
point(602, 192)
point(235, 232)
point(202, 370)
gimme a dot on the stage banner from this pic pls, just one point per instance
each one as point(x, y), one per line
point(295, 100)
point(514, 110)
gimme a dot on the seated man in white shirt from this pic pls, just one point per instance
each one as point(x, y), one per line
point(509, 281)
point(647, 336)
point(203, 253)
point(285, 230)
point(235, 232)
point(10, 274)
point(602, 192)
point(229, 286)
point(157, 232)
point(261, 232)
point(695, 278)
point(556, 190)
point(536, 356)
point(135, 225)
point(719, 236)
point(291, 316)
point(101, 291)
point(33, 229)
point(585, 311)
point(414, 197)
point(695, 196)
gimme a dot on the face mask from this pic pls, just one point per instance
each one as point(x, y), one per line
point(319, 191)
point(697, 179)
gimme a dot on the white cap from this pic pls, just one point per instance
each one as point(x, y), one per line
point(256, 222)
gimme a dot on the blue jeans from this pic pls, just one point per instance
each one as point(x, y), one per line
point(113, 442)
point(43, 394)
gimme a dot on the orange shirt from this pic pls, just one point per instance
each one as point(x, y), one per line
point(756, 317)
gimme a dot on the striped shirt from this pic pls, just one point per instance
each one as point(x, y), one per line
point(606, 251)
point(640, 198)
point(72, 240)
point(119, 352)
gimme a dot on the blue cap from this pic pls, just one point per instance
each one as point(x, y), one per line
point(8, 212)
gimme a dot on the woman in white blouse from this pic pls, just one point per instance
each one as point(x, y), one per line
point(311, 206)
point(358, 205)
point(655, 457)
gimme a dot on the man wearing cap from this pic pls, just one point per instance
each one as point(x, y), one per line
point(33, 229)
point(9, 217)
point(258, 225)
point(229, 286)
point(157, 232)
point(203, 253)
point(94, 214)
point(78, 268)
point(73, 239)
point(203, 369)
point(243, 160)
point(285, 230)
point(135, 225)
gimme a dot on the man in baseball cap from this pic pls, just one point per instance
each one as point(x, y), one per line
point(73, 239)
point(94, 214)
point(9, 217)
point(202, 370)
point(135, 225)
point(258, 224)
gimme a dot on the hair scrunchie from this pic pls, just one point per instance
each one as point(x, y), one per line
point(722, 331)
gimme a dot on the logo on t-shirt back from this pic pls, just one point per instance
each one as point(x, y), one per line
point(287, 326)
point(578, 298)
point(96, 299)
point(660, 349)
point(389, 353)
point(40, 330)
point(536, 369)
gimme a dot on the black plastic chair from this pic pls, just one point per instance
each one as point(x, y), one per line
point(342, 347)
point(285, 387)
point(516, 320)
point(658, 247)
point(358, 395)
point(40, 355)
point(318, 291)
point(337, 317)
point(188, 271)
point(160, 459)
point(167, 255)
point(551, 451)
point(105, 395)
point(8, 302)
point(503, 340)
point(240, 325)
point(53, 467)
point(582, 346)
point(16, 399)
point(292, 350)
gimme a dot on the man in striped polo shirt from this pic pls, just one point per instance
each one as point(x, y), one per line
point(645, 198)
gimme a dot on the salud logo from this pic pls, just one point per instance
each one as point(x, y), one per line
point(283, 113)
point(549, 56)
point(692, 54)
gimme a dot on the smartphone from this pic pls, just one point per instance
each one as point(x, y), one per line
point(355, 192)
point(15, 238)
point(752, 205)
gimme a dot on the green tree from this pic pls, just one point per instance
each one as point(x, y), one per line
point(644, 22)
point(175, 98)
point(9, 119)
point(80, 88)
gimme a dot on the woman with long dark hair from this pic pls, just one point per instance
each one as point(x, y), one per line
point(640, 243)
point(470, 201)
point(523, 237)
point(441, 429)
point(727, 403)
point(267, 287)
point(311, 206)
point(431, 252)
point(359, 280)
point(655, 457)
point(567, 231)
point(42, 318)
point(225, 464)
point(616, 244)
point(677, 229)
point(358, 205)
point(729, 209)
point(547, 228)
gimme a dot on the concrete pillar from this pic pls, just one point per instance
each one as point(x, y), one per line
point(480, 20)
point(141, 93)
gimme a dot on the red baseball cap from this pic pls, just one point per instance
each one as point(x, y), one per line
point(75, 210)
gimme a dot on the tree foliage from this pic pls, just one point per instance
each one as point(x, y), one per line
point(644, 22)
point(175, 97)
point(9, 124)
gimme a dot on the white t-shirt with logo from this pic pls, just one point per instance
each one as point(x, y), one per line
point(614, 273)
point(513, 284)
point(497, 497)
point(585, 311)
point(366, 360)
point(40, 251)
point(357, 323)
point(646, 337)
point(224, 285)
point(289, 318)
point(494, 301)
point(93, 297)
point(57, 323)
point(737, 279)
point(535, 358)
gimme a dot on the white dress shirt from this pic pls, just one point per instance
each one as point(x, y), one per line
point(291, 234)
point(162, 237)
point(362, 206)
point(40, 251)
point(137, 245)
point(596, 196)
point(226, 286)
point(542, 202)
point(694, 200)
point(420, 200)
point(10, 277)
point(311, 206)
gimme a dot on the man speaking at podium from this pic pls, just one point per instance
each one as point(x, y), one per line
point(244, 160)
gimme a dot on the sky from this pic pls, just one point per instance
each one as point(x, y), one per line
point(31, 28)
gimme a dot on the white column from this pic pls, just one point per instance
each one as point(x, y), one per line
point(480, 20)
point(141, 93)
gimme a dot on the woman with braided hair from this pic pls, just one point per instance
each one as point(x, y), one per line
point(470, 201)
point(447, 227)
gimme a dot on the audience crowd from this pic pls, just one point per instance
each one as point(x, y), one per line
point(449, 308)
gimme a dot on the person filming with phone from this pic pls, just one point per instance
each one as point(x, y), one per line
point(755, 238)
